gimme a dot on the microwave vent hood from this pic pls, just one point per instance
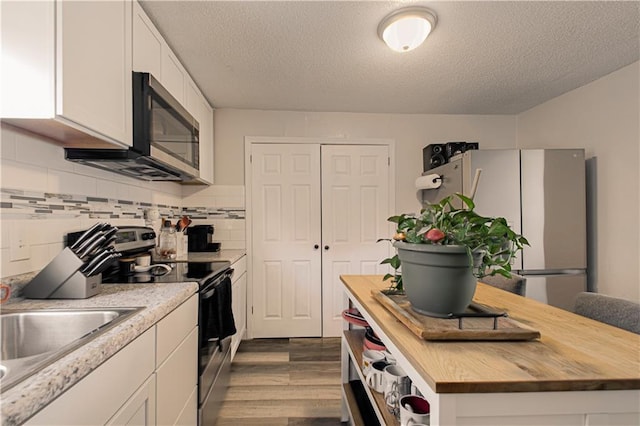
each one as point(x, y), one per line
point(128, 163)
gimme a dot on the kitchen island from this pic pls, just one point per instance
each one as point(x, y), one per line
point(28, 397)
point(580, 371)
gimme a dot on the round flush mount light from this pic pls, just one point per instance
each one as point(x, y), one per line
point(407, 28)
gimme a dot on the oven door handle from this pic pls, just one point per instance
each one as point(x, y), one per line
point(210, 287)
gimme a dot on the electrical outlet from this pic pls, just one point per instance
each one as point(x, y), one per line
point(19, 244)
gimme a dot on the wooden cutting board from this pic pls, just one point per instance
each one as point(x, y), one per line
point(431, 328)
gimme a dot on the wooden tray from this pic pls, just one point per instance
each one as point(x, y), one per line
point(431, 328)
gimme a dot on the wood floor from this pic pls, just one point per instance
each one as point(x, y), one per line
point(284, 382)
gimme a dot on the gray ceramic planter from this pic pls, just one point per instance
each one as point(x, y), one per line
point(438, 280)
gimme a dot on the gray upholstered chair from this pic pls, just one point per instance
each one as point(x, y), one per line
point(516, 284)
point(620, 313)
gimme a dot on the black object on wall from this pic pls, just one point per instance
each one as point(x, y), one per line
point(433, 155)
point(437, 154)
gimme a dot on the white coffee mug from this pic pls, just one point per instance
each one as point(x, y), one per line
point(143, 260)
point(396, 385)
point(414, 410)
point(375, 377)
point(369, 357)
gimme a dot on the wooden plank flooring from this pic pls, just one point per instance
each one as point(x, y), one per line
point(284, 382)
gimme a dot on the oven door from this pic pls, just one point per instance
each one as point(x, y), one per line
point(215, 321)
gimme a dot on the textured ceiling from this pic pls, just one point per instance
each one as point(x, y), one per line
point(482, 58)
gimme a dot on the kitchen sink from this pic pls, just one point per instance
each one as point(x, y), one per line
point(31, 340)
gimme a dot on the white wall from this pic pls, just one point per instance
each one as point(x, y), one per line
point(31, 163)
point(410, 132)
point(604, 118)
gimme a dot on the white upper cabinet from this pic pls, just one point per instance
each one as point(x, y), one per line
point(66, 70)
point(206, 143)
point(152, 54)
point(199, 107)
point(147, 44)
point(174, 76)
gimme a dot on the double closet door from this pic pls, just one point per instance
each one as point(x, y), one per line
point(317, 212)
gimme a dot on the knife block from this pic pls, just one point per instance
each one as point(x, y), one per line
point(61, 279)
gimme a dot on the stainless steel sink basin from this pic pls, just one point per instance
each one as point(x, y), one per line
point(31, 340)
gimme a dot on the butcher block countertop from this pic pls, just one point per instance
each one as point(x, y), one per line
point(574, 353)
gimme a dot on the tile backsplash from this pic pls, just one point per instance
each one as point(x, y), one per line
point(221, 206)
point(43, 197)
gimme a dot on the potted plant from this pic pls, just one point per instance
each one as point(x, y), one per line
point(444, 250)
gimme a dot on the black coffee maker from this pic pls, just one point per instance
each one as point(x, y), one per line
point(201, 238)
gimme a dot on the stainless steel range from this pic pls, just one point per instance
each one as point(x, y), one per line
point(215, 319)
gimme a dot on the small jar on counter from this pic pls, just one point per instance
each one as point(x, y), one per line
point(167, 245)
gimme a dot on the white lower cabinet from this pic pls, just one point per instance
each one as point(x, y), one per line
point(239, 302)
point(151, 381)
point(177, 364)
point(177, 377)
point(140, 409)
point(96, 398)
point(189, 414)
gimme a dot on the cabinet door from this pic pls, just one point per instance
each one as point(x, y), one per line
point(140, 409)
point(189, 415)
point(235, 339)
point(176, 379)
point(93, 74)
point(173, 74)
point(239, 311)
point(28, 59)
point(147, 44)
point(199, 108)
point(242, 287)
point(206, 142)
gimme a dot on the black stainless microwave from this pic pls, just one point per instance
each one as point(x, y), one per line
point(165, 138)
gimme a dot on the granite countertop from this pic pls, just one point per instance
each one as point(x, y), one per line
point(24, 399)
point(228, 255)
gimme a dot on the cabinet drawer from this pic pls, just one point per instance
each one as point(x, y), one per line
point(175, 327)
point(94, 399)
point(176, 380)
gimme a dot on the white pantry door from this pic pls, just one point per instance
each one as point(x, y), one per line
point(355, 208)
point(285, 191)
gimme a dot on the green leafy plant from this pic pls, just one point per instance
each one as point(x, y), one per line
point(396, 277)
point(444, 224)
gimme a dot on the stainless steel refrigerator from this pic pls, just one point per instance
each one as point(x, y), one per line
point(541, 193)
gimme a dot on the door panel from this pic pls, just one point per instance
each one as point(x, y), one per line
point(286, 229)
point(355, 207)
point(553, 204)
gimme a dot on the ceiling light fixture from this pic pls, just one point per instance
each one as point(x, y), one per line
point(406, 28)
